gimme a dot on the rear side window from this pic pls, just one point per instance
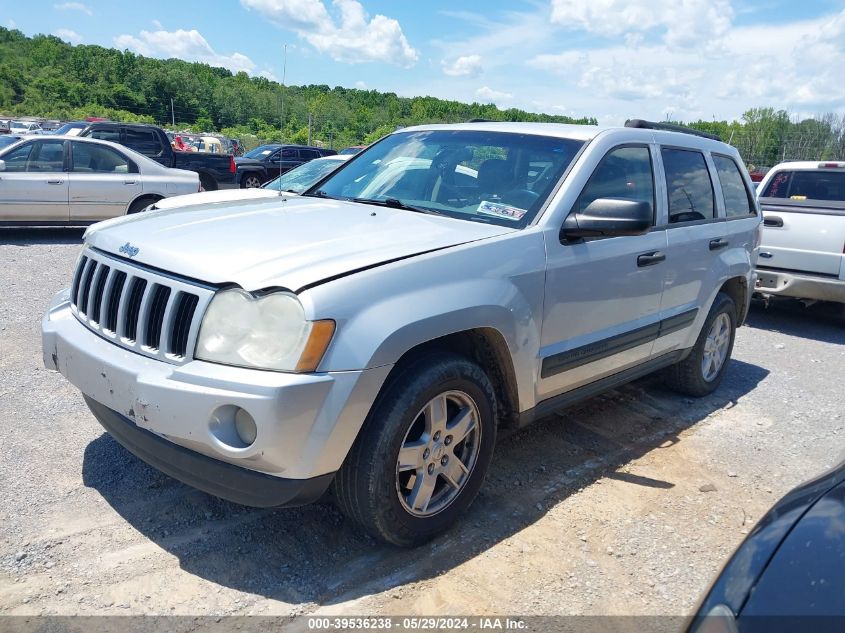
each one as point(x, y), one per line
point(142, 141)
point(91, 158)
point(289, 153)
point(624, 172)
point(737, 201)
point(807, 185)
point(106, 134)
point(689, 186)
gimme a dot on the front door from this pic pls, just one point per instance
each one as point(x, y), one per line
point(602, 295)
point(34, 184)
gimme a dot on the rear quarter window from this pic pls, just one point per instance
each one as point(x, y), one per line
point(737, 198)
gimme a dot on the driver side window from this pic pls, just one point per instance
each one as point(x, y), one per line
point(624, 173)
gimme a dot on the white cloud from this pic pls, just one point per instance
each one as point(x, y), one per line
point(360, 85)
point(464, 66)
point(11, 24)
point(686, 23)
point(186, 45)
point(352, 37)
point(74, 6)
point(67, 35)
point(488, 95)
point(268, 74)
point(157, 25)
point(793, 66)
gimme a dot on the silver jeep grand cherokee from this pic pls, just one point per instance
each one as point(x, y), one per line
point(373, 335)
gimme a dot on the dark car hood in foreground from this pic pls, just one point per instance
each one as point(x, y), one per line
point(785, 564)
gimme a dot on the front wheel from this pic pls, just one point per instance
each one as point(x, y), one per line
point(701, 372)
point(423, 452)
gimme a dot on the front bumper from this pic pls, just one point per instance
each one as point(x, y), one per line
point(800, 285)
point(305, 423)
point(210, 475)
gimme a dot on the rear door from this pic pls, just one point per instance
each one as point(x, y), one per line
point(804, 221)
point(698, 237)
point(34, 185)
point(103, 181)
point(602, 295)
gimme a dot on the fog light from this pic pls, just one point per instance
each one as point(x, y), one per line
point(245, 427)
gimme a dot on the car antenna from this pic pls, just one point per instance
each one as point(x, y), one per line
point(282, 122)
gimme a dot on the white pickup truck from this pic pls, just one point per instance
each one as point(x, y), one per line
point(803, 250)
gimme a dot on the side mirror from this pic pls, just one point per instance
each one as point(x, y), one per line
point(608, 217)
point(2, 165)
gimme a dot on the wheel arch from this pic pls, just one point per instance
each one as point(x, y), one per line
point(737, 289)
point(149, 198)
point(485, 346)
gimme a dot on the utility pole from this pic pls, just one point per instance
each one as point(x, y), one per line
point(284, 71)
point(172, 113)
point(309, 129)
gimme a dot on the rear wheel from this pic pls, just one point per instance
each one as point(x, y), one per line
point(250, 181)
point(140, 204)
point(208, 183)
point(423, 452)
point(701, 372)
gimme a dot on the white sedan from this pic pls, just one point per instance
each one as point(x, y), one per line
point(55, 180)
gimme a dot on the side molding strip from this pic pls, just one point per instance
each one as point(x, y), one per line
point(559, 363)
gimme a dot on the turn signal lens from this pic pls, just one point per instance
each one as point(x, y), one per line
point(315, 348)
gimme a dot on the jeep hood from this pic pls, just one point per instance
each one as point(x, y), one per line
point(286, 242)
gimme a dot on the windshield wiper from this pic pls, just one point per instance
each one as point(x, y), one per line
point(319, 194)
point(396, 203)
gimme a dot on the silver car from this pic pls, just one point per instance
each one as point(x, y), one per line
point(56, 180)
point(374, 334)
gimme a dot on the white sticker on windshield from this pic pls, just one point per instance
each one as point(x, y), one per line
point(501, 210)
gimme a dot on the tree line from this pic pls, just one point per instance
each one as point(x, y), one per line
point(46, 77)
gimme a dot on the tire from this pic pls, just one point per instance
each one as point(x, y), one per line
point(388, 499)
point(208, 183)
point(695, 377)
point(140, 204)
point(250, 181)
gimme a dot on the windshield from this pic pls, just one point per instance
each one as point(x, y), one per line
point(17, 125)
point(72, 129)
point(300, 178)
point(493, 177)
point(807, 185)
point(262, 151)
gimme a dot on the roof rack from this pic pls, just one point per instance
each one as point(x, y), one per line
point(669, 127)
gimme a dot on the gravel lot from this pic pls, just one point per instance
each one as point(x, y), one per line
point(627, 504)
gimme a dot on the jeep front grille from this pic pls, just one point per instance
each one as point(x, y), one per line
point(142, 310)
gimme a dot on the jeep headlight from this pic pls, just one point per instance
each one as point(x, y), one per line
point(266, 332)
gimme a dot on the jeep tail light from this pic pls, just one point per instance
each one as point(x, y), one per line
point(758, 236)
point(232, 167)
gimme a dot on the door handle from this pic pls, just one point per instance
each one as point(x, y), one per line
point(766, 255)
point(650, 259)
point(773, 220)
point(716, 244)
point(55, 182)
point(130, 182)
